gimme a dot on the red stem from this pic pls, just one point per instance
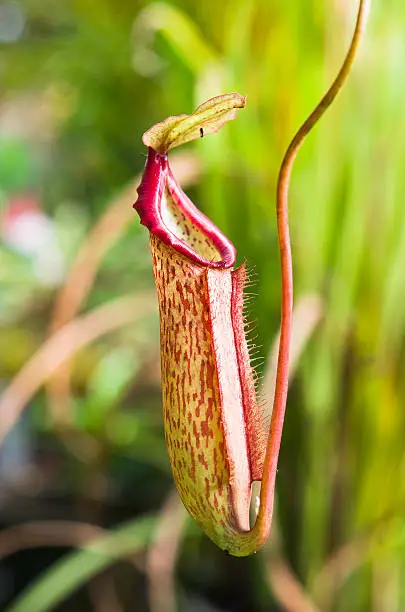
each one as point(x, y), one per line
point(262, 526)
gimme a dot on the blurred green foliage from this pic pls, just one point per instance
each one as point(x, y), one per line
point(85, 79)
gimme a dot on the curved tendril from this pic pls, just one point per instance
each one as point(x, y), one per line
point(263, 522)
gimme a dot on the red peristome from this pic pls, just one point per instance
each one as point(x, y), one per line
point(157, 178)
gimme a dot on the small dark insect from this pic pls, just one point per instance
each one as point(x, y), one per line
point(201, 133)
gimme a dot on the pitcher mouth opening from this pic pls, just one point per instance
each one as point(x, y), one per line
point(169, 213)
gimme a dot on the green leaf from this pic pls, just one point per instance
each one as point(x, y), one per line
point(77, 567)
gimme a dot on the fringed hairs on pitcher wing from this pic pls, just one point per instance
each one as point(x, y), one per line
point(216, 439)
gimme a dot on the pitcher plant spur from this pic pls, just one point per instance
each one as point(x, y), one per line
point(217, 441)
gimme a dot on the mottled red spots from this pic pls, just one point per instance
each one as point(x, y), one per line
point(204, 429)
point(202, 375)
point(196, 435)
point(184, 403)
point(202, 460)
point(207, 488)
point(191, 396)
point(184, 301)
point(210, 375)
point(192, 469)
point(210, 409)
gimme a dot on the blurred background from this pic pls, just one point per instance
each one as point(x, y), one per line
point(88, 517)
